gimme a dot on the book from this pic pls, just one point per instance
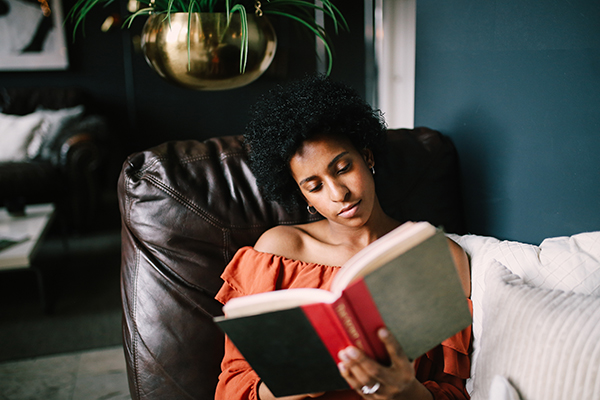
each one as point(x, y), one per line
point(405, 281)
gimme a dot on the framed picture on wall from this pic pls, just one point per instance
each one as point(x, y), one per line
point(32, 36)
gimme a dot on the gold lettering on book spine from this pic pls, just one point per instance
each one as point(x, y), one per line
point(341, 311)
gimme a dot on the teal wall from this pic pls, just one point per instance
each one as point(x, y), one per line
point(516, 84)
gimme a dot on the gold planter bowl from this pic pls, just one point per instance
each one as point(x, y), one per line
point(214, 49)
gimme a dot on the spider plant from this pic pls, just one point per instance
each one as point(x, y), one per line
point(300, 11)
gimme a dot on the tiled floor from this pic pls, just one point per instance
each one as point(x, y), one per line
point(89, 375)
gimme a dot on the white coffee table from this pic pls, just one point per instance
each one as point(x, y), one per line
point(31, 226)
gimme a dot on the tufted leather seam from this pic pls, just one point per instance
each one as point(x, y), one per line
point(137, 337)
point(159, 365)
point(185, 282)
point(181, 161)
point(184, 201)
point(134, 343)
point(142, 171)
point(222, 156)
point(137, 332)
point(188, 204)
point(197, 210)
point(141, 174)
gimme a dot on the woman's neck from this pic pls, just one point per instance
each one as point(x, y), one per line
point(378, 225)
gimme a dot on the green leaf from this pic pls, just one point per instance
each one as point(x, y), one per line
point(244, 47)
point(315, 29)
point(188, 36)
point(142, 11)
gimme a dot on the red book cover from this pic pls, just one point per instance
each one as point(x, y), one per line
point(351, 320)
point(329, 328)
point(359, 300)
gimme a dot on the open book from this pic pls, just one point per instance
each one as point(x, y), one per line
point(405, 281)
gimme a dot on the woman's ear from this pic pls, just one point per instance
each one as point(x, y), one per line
point(367, 155)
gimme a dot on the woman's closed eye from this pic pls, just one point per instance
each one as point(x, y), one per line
point(344, 168)
point(315, 188)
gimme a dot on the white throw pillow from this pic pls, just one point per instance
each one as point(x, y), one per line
point(52, 124)
point(545, 342)
point(565, 263)
point(501, 389)
point(16, 132)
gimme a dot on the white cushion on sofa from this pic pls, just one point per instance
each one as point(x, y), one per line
point(565, 263)
point(502, 389)
point(16, 133)
point(26, 136)
point(545, 342)
point(52, 124)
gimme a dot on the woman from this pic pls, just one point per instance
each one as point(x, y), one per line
point(315, 144)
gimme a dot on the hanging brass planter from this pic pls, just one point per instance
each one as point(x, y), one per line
point(213, 61)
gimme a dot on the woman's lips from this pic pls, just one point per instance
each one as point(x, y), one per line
point(348, 212)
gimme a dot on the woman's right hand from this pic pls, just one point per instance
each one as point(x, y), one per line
point(397, 381)
point(265, 394)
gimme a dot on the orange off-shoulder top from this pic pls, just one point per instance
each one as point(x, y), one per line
point(443, 370)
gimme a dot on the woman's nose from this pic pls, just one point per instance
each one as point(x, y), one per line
point(338, 192)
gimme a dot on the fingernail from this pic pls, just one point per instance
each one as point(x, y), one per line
point(352, 352)
point(384, 333)
point(343, 355)
point(342, 367)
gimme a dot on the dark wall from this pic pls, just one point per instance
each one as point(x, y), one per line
point(516, 84)
point(144, 110)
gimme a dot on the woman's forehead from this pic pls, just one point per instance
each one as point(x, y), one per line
point(324, 145)
point(318, 154)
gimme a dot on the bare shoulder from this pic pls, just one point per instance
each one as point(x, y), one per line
point(462, 265)
point(282, 240)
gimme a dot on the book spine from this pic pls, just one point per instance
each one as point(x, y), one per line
point(329, 328)
point(352, 325)
point(353, 319)
point(364, 319)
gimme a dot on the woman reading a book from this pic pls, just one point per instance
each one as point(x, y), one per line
point(314, 144)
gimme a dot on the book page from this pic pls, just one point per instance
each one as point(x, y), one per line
point(382, 251)
point(275, 301)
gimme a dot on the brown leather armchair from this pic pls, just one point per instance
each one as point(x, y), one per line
point(187, 207)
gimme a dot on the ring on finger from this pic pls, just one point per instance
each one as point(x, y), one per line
point(370, 389)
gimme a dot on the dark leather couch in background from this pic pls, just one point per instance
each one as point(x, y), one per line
point(186, 208)
point(69, 174)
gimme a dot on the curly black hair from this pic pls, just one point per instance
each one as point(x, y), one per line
point(287, 116)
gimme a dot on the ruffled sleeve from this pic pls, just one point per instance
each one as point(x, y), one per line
point(251, 272)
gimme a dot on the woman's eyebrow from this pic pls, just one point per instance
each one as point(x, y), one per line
point(336, 158)
point(331, 163)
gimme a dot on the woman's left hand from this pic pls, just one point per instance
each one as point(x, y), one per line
point(372, 380)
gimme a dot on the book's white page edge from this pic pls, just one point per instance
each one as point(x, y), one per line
point(380, 252)
point(381, 245)
point(275, 301)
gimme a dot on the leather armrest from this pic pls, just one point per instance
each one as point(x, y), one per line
point(79, 144)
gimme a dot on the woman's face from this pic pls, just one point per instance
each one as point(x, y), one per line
point(334, 177)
